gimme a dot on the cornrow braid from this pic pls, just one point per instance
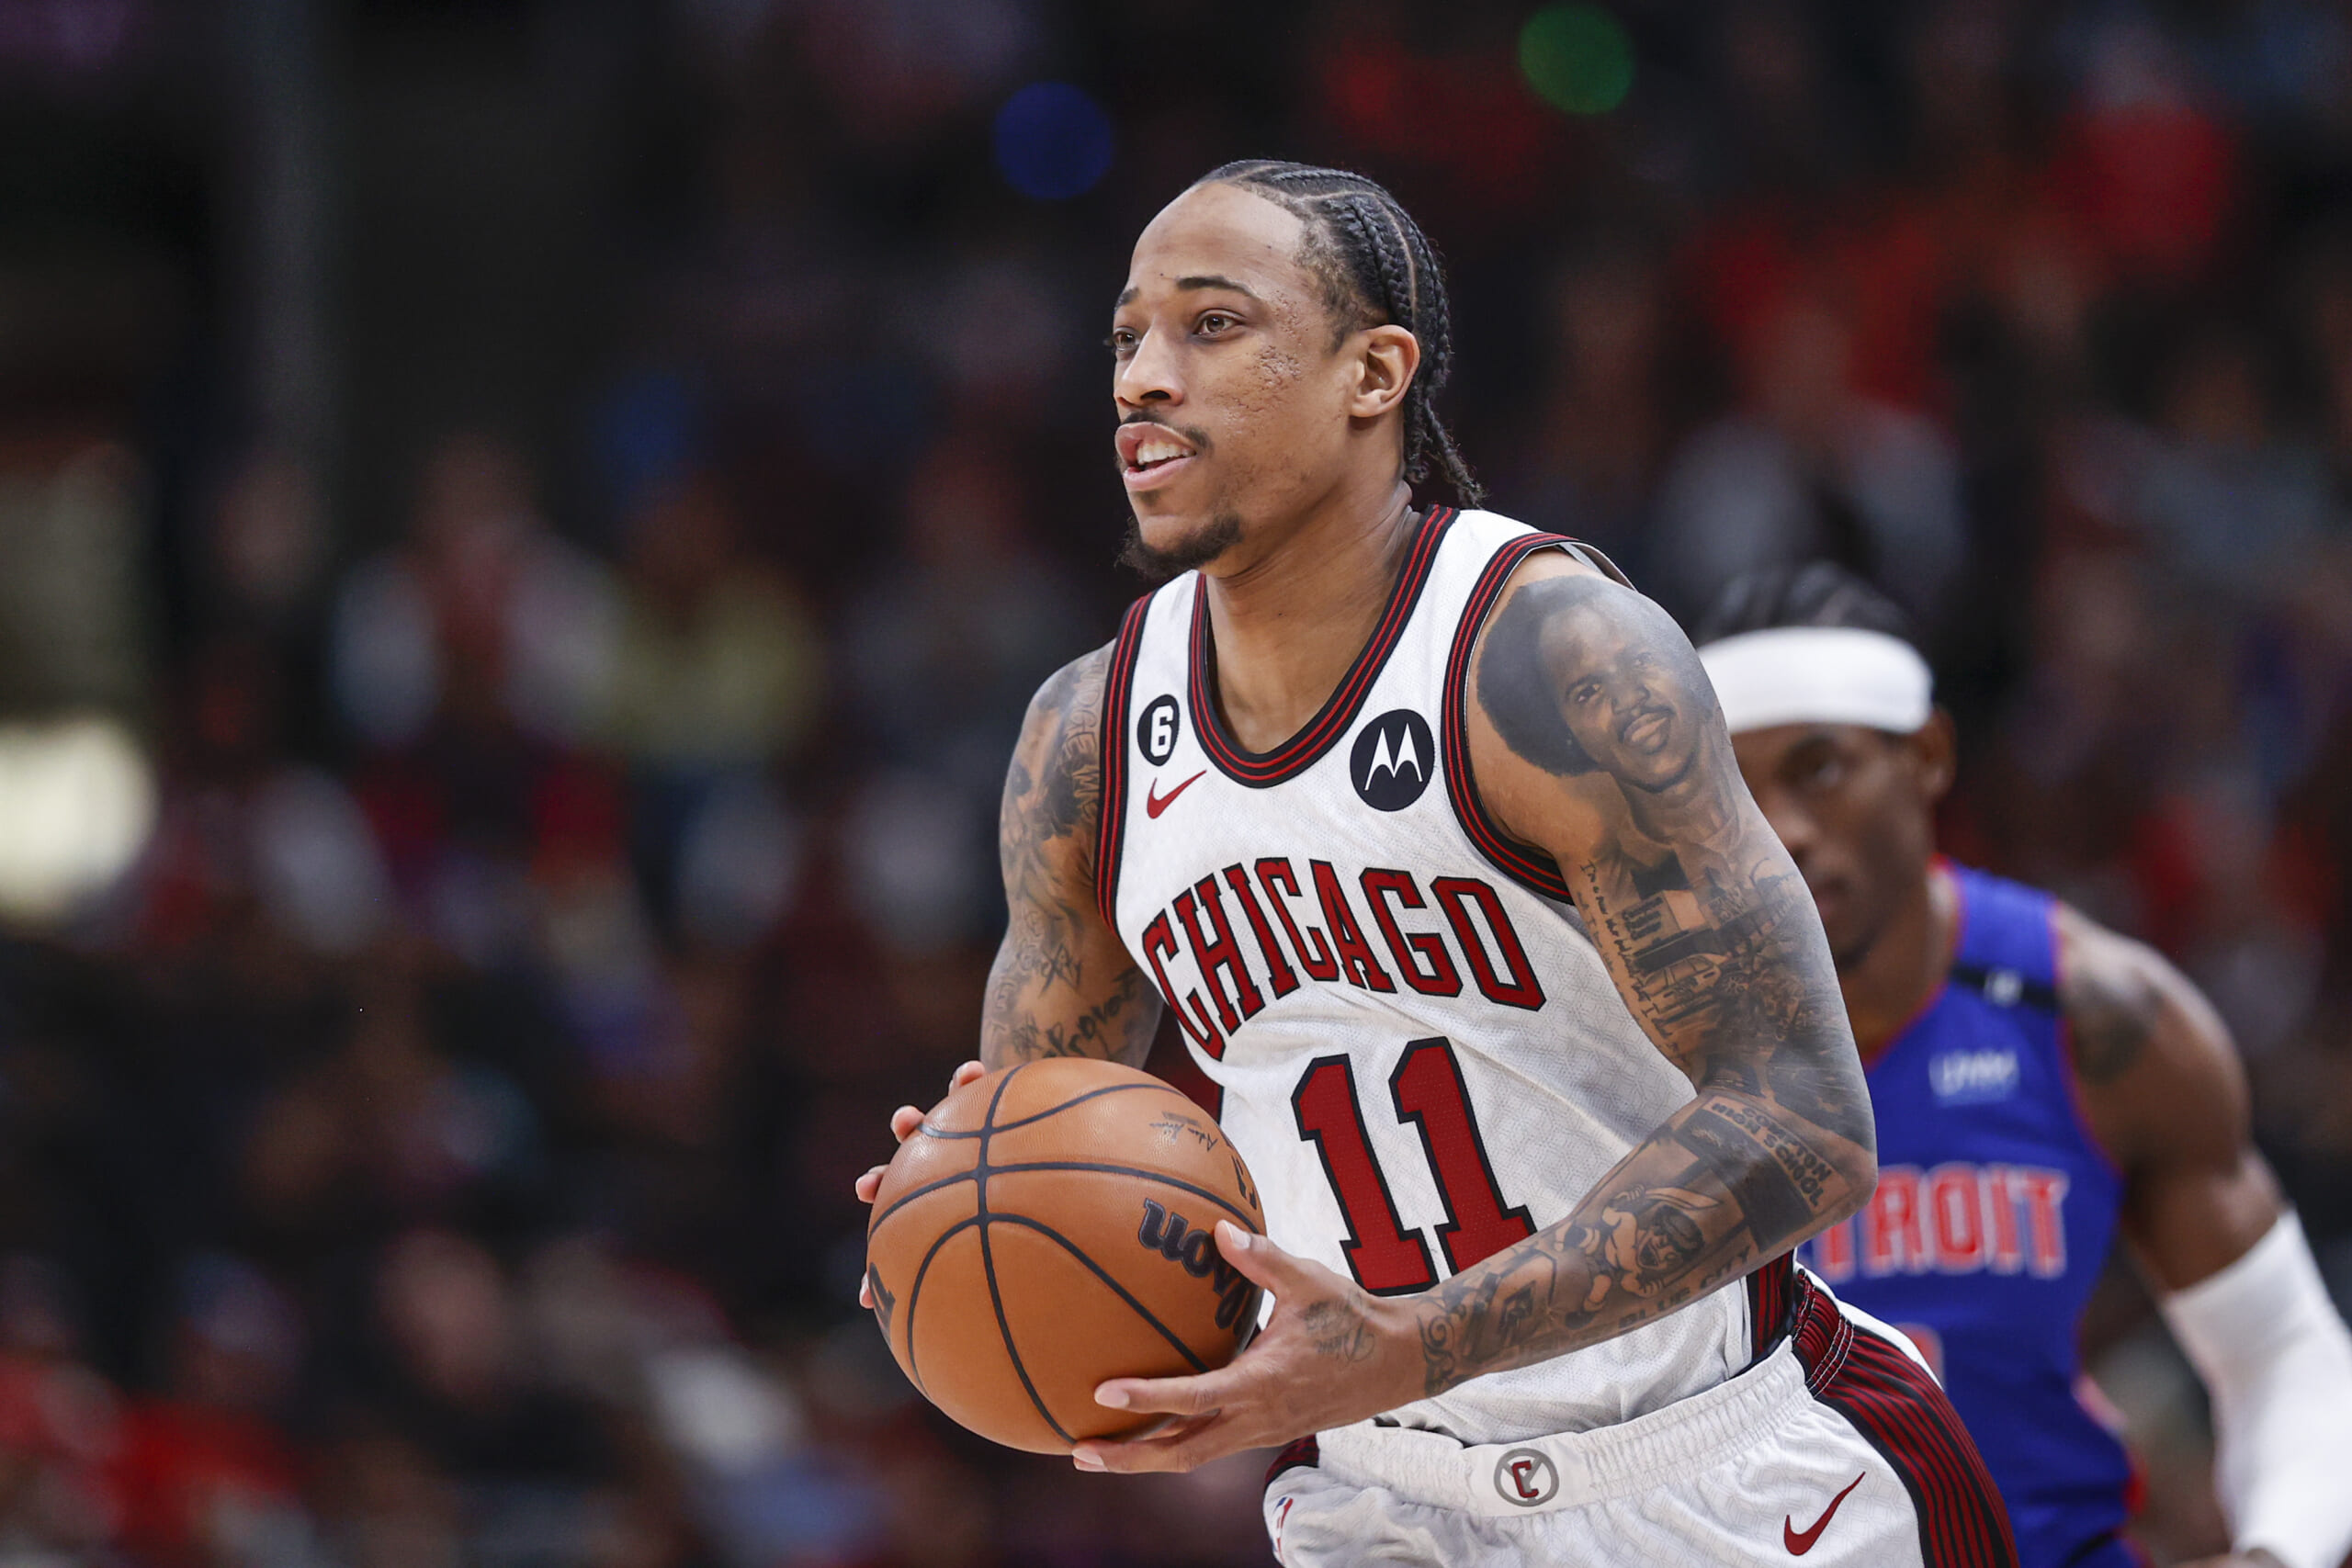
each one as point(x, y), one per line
point(1377, 268)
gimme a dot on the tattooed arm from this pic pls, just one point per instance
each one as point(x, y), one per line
point(1594, 734)
point(1596, 738)
point(2162, 1092)
point(1063, 985)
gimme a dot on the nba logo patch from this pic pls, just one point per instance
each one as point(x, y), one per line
point(1973, 1077)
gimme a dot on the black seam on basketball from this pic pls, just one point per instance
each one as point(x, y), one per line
point(929, 1131)
point(1141, 1311)
point(988, 1256)
point(914, 1295)
point(1021, 1166)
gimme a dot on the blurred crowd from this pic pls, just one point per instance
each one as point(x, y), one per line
point(576, 788)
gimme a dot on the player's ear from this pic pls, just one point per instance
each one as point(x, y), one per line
point(1384, 358)
point(1935, 752)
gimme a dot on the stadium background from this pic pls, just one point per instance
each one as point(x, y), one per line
point(569, 500)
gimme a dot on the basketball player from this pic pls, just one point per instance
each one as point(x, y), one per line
point(2041, 1084)
point(1427, 830)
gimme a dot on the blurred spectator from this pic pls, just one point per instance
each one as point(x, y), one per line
point(203, 1475)
point(482, 612)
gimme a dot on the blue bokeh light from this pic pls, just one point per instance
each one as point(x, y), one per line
point(1052, 142)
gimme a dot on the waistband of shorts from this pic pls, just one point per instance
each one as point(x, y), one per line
point(1571, 1468)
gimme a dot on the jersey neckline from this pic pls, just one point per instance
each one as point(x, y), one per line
point(1258, 770)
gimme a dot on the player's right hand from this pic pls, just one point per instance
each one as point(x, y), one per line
point(903, 1122)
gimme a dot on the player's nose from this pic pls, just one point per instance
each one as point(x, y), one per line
point(1149, 377)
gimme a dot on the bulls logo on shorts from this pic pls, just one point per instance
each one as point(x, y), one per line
point(1394, 758)
point(1526, 1477)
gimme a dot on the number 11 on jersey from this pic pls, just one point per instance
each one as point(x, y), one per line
point(1428, 1090)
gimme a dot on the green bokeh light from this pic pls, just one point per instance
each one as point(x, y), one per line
point(1578, 58)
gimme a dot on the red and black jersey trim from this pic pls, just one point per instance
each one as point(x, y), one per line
point(1303, 1453)
point(1771, 1303)
point(1523, 864)
point(1259, 769)
point(1111, 832)
point(1890, 1399)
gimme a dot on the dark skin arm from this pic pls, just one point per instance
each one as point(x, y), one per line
point(1063, 984)
point(2165, 1095)
point(1607, 750)
point(2162, 1091)
point(1716, 950)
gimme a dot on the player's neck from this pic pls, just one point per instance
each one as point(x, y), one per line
point(1900, 972)
point(1288, 624)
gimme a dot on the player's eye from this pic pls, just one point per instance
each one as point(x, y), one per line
point(1214, 323)
point(1121, 341)
point(1584, 692)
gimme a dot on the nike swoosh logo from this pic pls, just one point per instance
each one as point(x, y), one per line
point(1154, 803)
point(1799, 1542)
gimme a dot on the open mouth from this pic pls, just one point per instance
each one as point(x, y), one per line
point(1150, 454)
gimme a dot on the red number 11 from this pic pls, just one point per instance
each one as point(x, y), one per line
point(1428, 1091)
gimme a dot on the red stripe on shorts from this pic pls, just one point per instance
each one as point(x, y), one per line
point(1900, 1411)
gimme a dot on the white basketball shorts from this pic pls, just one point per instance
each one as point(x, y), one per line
point(1837, 1447)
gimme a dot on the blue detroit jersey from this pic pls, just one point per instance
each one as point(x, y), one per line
point(1993, 1216)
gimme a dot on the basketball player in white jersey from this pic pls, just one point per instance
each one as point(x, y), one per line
point(1428, 830)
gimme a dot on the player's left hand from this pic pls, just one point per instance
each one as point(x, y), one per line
point(1332, 1353)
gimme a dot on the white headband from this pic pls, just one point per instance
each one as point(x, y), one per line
point(1819, 676)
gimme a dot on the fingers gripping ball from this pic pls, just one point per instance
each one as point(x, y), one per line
point(1049, 1227)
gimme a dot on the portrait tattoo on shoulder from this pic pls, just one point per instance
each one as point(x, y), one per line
point(1061, 985)
point(1711, 938)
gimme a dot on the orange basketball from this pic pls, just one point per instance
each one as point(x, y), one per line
point(1050, 1226)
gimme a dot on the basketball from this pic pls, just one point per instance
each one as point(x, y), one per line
point(1050, 1226)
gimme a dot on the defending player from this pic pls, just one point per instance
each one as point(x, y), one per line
point(2041, 1083)
point(1429, 831)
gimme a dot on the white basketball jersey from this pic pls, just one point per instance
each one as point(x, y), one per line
point(1420, 1054)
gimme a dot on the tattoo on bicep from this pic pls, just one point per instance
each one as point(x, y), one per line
point(1045, 997)
point(1714, 943)
point(2111, 1013)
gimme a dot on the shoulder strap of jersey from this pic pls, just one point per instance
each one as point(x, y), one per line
point(1111, 831)
point(1523, 864)
point(2008, 950)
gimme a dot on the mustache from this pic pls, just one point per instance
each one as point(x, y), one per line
point(1649, 709)
point(1194, 434)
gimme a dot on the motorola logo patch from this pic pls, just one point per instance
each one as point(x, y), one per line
point(1155, 730)
point(1394, 758)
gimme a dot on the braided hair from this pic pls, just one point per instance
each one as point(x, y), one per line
point(1377, 268)
point(1813, 594)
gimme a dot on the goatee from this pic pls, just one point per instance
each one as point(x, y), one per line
point(1204, 545)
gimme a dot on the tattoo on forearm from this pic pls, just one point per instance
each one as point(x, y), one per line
point(1715, 946)
point(1103, 1030)
point(1059, 988)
